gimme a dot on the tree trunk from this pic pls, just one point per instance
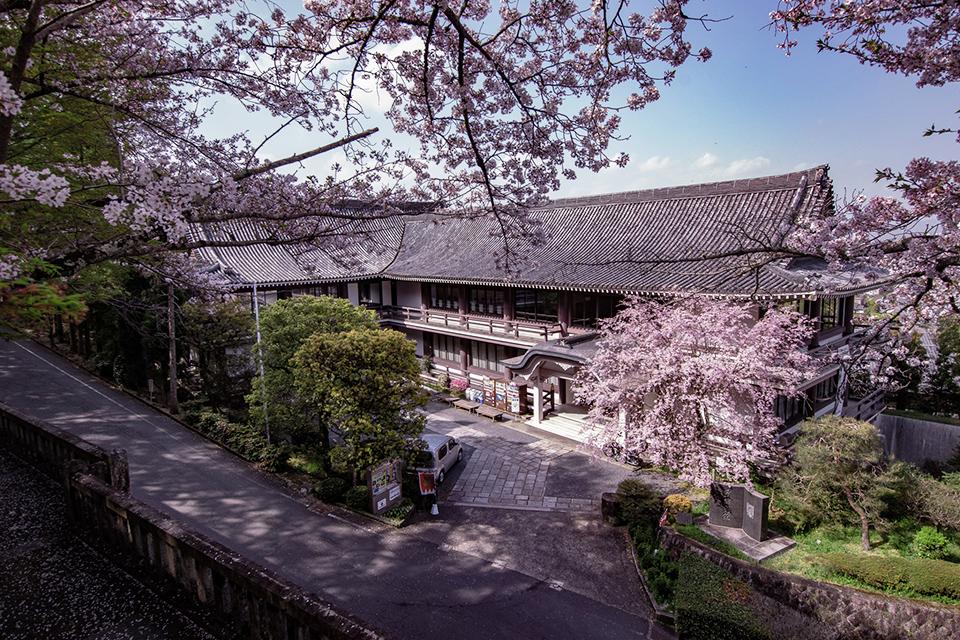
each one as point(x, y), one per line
point(864, 522)
point(172, 347)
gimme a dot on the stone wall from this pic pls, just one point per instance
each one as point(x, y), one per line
point(248, 597)
point(855, 614)
point(917, 441)
point(59, 453)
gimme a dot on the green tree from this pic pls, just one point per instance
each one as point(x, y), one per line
point(945, 389)
point(284, 328)
point(218, 334)
point(363, 384)
point(838, 475)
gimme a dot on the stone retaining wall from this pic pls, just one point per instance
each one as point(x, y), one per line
point(855, 614)
point(262, 605)
point(918, 441)
point(59, 453)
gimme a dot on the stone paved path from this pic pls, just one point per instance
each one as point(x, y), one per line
point(510, 469)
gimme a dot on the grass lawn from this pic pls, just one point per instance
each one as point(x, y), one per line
point(809, 557)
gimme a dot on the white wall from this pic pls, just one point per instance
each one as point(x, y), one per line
point(353, 293)
point(408, 294)
point(385, 291)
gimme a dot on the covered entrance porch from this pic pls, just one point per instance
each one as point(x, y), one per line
point(550, 371)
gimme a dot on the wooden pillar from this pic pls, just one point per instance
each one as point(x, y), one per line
point(462, 299)
point(564, 310)
point(848, 315)
point(815, 314)
point(509, 308)
point(464, 357)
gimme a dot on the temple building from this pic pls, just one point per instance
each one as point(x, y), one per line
point(516, 324)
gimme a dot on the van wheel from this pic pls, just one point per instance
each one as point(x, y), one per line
point(440, 477)
point(460, 455)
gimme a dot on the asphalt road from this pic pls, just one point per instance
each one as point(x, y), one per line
point(407, 586)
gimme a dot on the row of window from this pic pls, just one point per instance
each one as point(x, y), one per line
point(482, 355)
point(538, 305)
point(832, 311)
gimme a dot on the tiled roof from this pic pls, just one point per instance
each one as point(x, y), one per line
point(698, 238)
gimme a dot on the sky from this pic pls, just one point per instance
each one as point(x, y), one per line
point(749, 111)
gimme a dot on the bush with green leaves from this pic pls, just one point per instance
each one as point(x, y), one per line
point(659, 569)
point(399, 511)
point(937, 501)
point(357, 498)
point(929, 543)
point(898, 575)
point(331, 489)
point(638, 502)
point(710, 604)
point(245, 440)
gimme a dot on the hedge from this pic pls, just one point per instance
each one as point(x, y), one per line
point(899, 575)
point(243, 439)
point(711, 605)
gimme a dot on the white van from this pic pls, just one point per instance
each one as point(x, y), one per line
point(444, 451)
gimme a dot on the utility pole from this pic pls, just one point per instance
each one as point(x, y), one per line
point(263, 388)
point(172, 348)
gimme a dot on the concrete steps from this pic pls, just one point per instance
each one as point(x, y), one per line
point(563, 425)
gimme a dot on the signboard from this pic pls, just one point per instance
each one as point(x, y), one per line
point(501, 394)
point(489, 391)
point(384, 483)
point(516, 398)
point(428, 482)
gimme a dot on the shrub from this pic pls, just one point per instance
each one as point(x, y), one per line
point(659, 569)
point(444, 381)
point(929, 543)
point(357, 498)
point(711, 605)
point(938, 503)
point(399, 511)
point(245, 440)
point(330, 489)
point(639, 503)
point(906, 576)
point(676, 503)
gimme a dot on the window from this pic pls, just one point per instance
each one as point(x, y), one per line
point(332, 290)
point(792, 410)
point(486, 300)
point(442, 452)
point(831, 313)
point(588, 308)
point(484, 355)
point(827, 389)
point(537, 305)
point(370, 292)
point(444, 296)
point(446, 348)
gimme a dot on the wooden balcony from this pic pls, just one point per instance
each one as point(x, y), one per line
point(866, 408)
point(523, 331)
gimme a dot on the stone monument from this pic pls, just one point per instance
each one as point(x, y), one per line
point(740, 507)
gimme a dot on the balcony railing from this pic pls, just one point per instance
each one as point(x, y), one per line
point(867, 407)
point(486, 325)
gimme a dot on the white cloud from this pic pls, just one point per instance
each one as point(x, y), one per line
point(654, 163)
point(745, 166)
point(704, 161)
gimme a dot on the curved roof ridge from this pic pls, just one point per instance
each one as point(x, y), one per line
point(745, 185)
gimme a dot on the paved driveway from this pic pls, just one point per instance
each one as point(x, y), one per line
point(510, 469)
point(409, 585)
